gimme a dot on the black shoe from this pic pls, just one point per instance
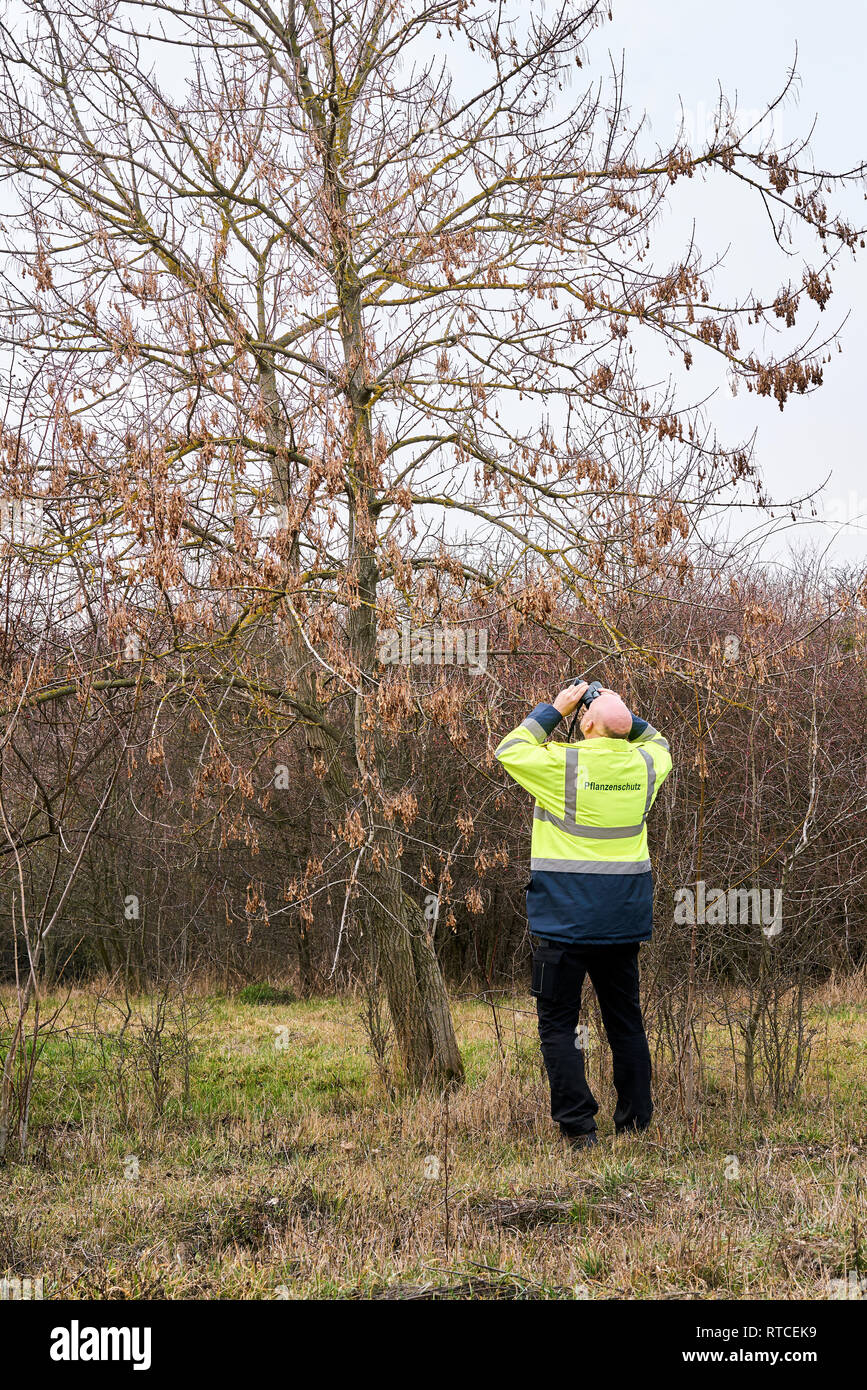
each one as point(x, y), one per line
point(582, 1141)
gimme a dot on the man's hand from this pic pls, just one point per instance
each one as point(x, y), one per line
point(568, 700)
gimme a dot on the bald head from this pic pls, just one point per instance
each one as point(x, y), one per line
point(606, 717)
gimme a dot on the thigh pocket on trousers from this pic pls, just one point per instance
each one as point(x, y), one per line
point(546, 969)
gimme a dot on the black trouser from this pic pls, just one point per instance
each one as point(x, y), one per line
point(558, 974)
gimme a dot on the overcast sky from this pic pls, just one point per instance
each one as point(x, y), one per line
point(677, 50)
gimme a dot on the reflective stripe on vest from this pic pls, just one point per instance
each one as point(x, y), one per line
point(592, 866)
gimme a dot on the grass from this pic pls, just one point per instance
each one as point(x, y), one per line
point(286, 1170)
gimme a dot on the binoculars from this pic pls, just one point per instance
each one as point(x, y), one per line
point(593, 689)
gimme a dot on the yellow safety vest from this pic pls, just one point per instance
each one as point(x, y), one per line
point(591, 875)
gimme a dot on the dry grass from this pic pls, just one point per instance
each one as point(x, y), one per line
point(289, 1172)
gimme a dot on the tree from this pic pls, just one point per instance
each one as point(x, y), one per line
point(316, 341)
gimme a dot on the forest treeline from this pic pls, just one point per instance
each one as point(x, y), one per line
point(217, 856)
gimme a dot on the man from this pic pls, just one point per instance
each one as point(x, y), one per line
point(590, 895)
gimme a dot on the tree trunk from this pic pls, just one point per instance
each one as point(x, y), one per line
point(416, 992)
